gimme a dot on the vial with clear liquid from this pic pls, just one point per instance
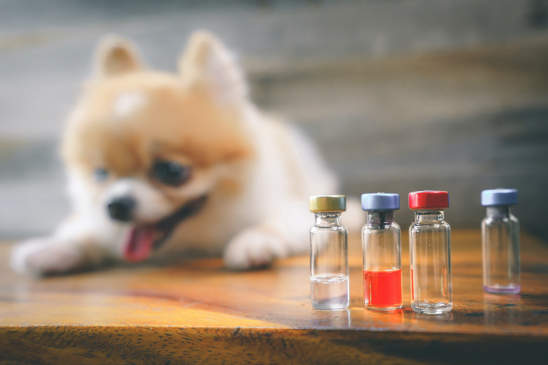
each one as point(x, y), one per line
point(430, 253)
point(500, 242)
point(329, 287)
point(381, 252)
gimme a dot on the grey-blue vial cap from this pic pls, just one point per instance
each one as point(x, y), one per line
point(492, 197)
point(380, 201)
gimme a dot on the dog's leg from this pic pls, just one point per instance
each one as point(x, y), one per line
point(73, 246)
point(281, 235)
point(284, 234)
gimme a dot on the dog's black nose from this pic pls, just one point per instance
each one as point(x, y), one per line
point(121, 208)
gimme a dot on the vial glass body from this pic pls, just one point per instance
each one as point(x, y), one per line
point(430, 261)
point(382, 261)
point(329, 262)
point(500, 246)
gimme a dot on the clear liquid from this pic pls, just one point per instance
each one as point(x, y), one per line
point(329, 291)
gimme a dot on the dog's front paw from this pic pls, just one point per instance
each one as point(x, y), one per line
point(254, 247)
point(43, 257)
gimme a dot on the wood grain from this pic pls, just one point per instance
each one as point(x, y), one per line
point(194, 311)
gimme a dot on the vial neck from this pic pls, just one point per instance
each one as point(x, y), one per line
point(328, 219)
point(429, 216)
point(380, 219)
point(499, 211)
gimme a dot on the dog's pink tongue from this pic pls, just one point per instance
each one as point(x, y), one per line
point(139, 244)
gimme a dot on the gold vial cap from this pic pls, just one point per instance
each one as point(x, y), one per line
point(327, 203)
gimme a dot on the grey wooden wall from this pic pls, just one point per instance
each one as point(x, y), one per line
point(399, 95)
point(460, 120)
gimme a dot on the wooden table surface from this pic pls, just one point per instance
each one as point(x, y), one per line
point(192, 311)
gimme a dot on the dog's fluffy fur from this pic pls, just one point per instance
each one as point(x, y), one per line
point(256, 171)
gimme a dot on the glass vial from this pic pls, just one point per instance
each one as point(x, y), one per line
point(430, 253)
point(328, 253)
point(500, 242)
point(381, 252)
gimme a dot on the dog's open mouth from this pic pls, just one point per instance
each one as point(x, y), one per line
point(142, 239)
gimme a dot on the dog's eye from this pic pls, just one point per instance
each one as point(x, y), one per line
point(100, 174)
point(170, 173)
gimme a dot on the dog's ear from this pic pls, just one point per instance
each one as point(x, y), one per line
point(208, 64)
point(115, 56)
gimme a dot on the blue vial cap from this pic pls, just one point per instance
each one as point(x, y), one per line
point(380, 201)
point(499, 197)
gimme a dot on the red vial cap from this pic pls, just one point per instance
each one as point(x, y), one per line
point(429, 199)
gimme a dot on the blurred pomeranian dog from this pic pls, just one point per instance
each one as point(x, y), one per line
point(159, 163)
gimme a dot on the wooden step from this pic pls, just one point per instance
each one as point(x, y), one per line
point(190, 311)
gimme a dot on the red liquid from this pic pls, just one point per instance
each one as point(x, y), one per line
point(383, 288)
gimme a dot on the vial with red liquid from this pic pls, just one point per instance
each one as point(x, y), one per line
point(430, 253)
point(381, 252)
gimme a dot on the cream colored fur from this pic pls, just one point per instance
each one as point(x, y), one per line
point(257, 171)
